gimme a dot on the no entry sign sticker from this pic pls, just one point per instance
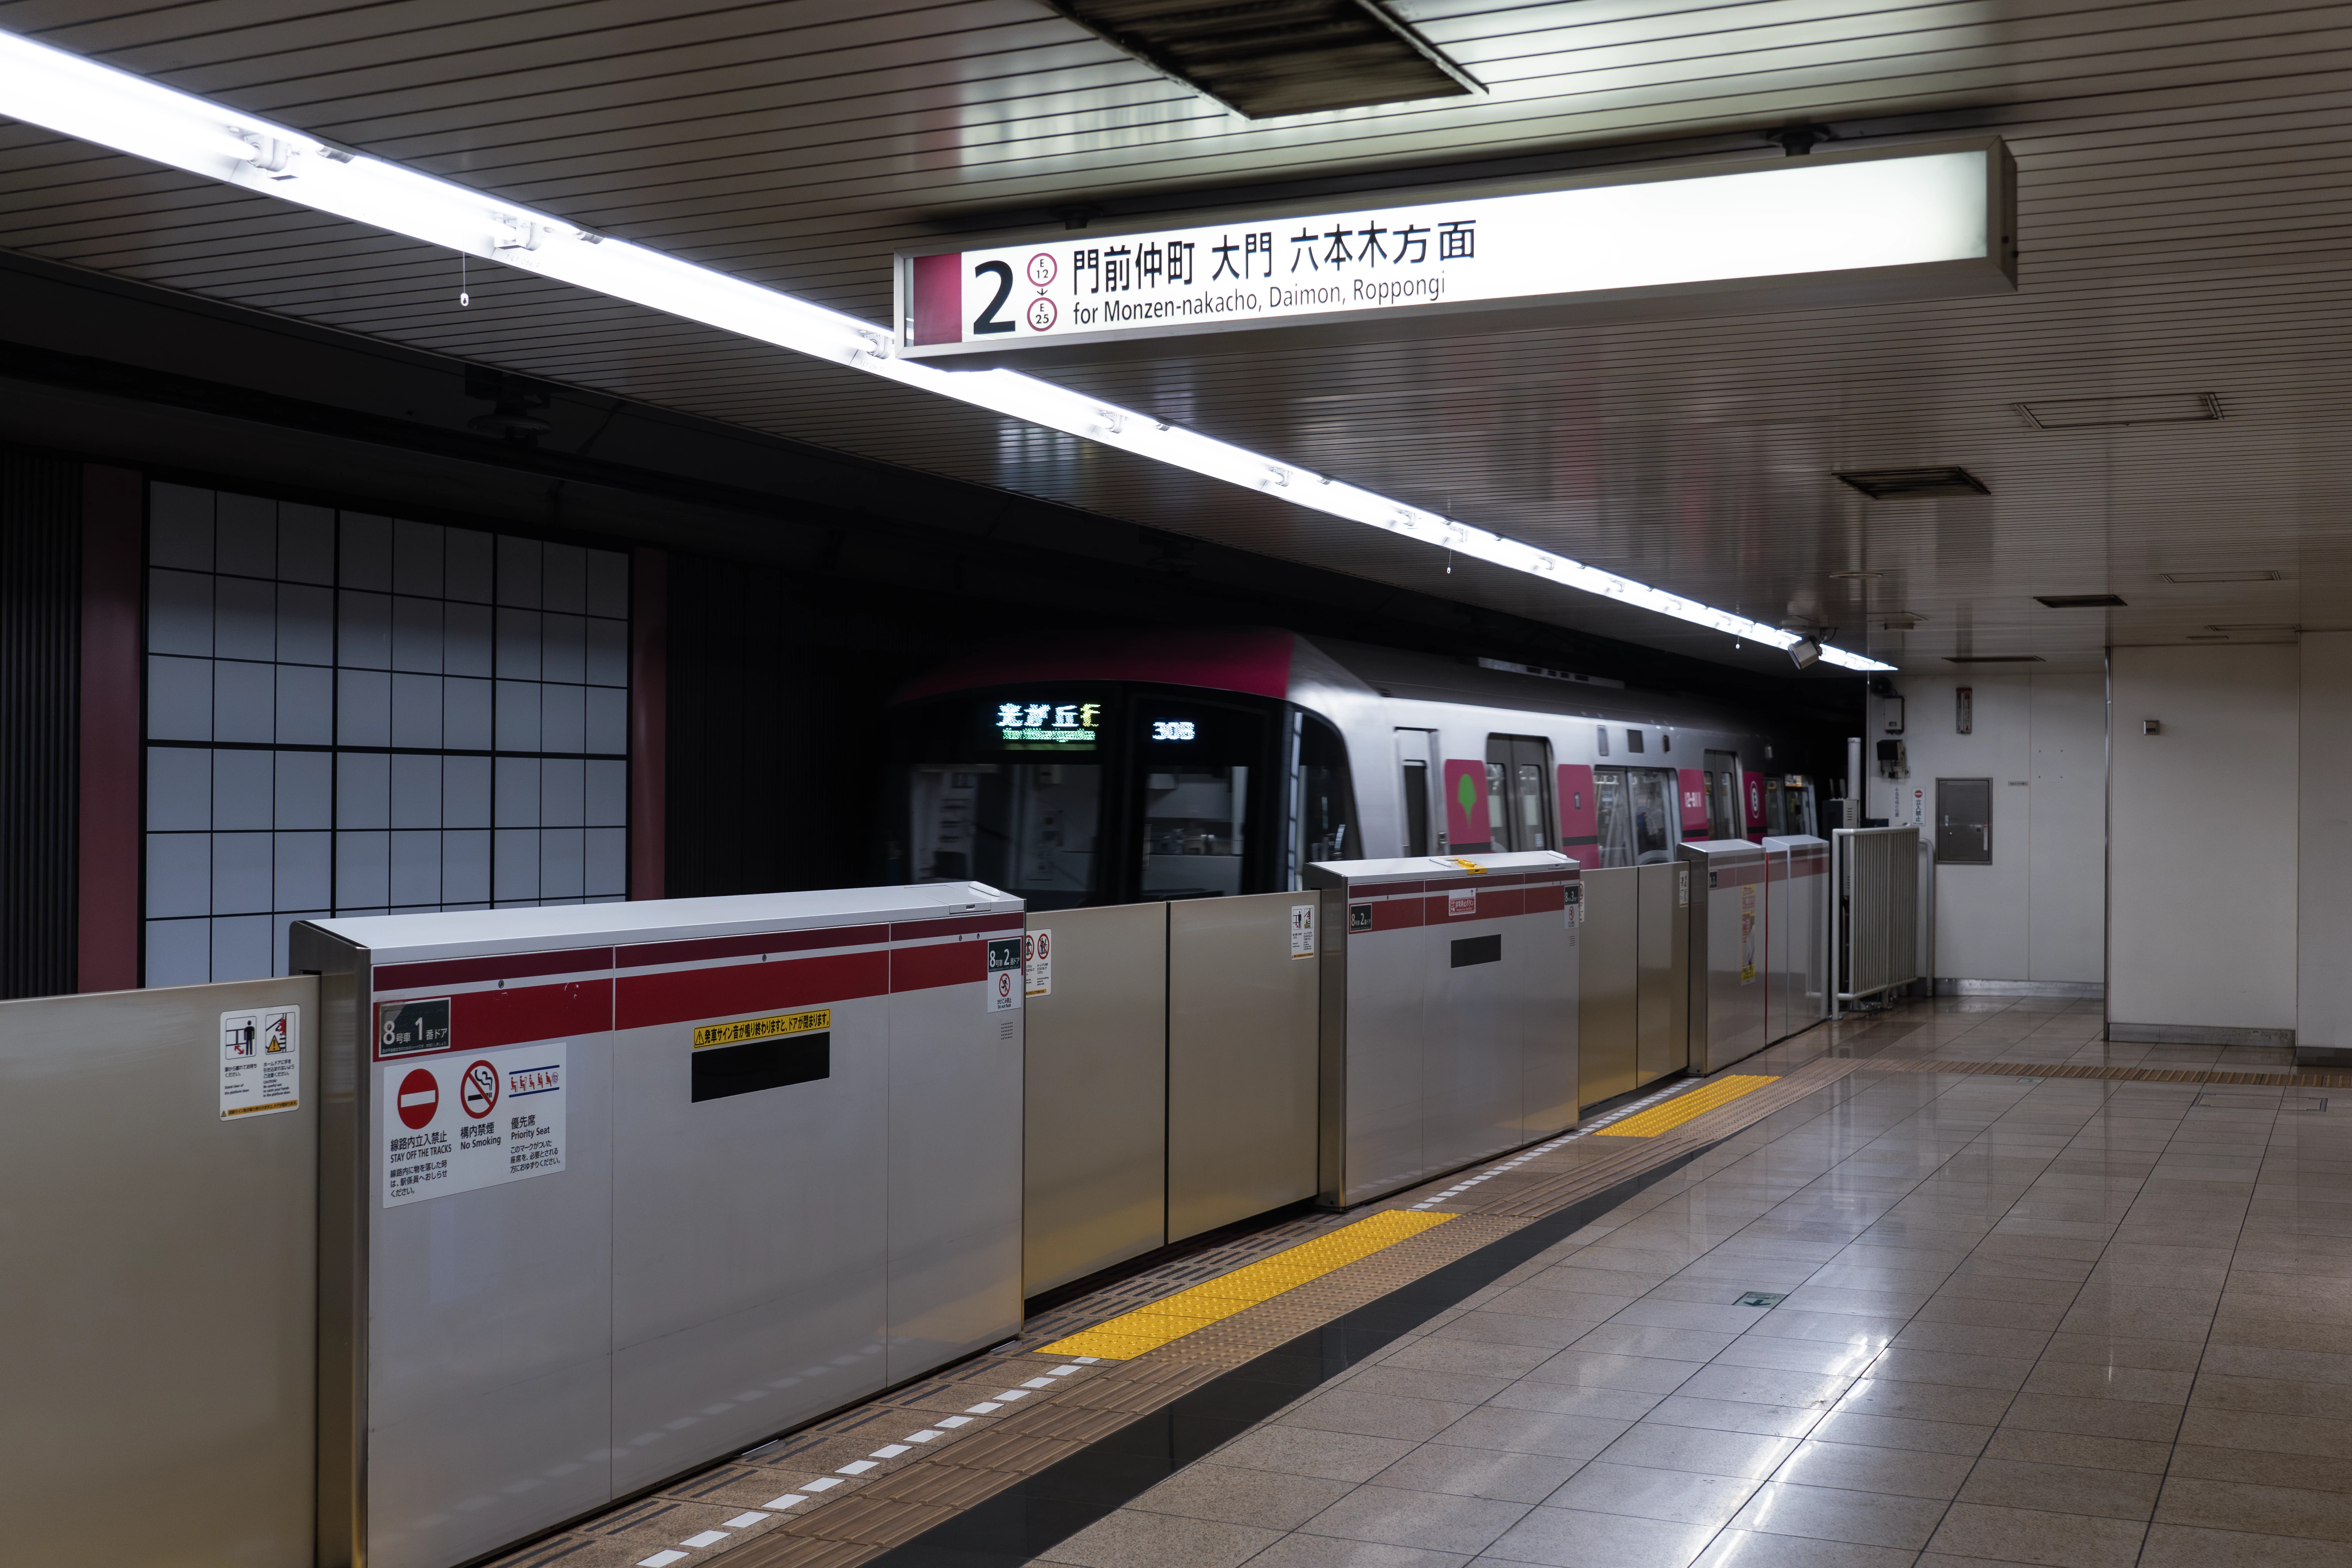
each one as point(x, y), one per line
point(457, 1124)
point(419, 1098)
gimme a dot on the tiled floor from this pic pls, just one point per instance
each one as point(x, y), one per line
point(2067, 1322)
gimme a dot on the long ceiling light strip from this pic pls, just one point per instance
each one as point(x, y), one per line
point(97, 103)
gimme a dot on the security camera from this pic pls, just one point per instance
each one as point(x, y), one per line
point(1806, 652)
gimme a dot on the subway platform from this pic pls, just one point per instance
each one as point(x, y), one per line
point(1957, 1283)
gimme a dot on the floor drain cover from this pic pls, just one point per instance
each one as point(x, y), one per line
point(1763, 1299)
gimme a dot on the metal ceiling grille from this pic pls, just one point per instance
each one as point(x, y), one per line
point(1263, 58)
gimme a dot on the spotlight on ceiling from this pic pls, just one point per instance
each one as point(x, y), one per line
point(1806, 652)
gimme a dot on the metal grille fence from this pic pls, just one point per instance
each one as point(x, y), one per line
point(1875, 937)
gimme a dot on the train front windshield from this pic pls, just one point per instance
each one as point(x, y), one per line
point(1106, 793)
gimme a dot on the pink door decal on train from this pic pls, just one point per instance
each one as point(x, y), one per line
point(1467, 826)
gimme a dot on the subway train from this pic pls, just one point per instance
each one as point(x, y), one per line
point(1128, 767)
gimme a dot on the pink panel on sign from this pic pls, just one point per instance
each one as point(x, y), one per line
point(1466, 825)
point(1256, 659)
point(1693, 785)
point(1754, 783)
point(937, 284)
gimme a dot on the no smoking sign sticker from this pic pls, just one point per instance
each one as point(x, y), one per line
point(479, 1093)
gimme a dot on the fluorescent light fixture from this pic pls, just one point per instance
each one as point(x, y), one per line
point(49, 86)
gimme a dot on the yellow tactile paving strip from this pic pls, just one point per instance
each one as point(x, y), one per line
point(1171, 1318)
point(1682, 1107)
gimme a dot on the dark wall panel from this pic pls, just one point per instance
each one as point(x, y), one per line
point(40, 575)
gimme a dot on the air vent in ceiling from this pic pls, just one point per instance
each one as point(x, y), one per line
point(2221, 576)
point(1914, 484)
point(1993, 658)
point(1267, 58)
point(2081, 601)
point(2107, 412)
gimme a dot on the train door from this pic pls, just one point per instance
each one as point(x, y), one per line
point(1519, 799)
point(1722, 774)
point(1416, 752)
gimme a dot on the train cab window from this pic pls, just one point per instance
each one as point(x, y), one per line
point(1519, 796)
point(1027, 827)
point(1776, 811)
point(1194, 762)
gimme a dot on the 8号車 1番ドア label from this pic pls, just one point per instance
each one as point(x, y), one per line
point(468, 1120)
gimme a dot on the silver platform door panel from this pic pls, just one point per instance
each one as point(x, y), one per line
point(1661, 1012)
point(1470, 1067)
point(1777, 916)
point(955, 1167)
point(1242, 1013)
point(1095, 1088)
point(1608, 1031)
point(1551, 1052)
point(744, 1235)
point(491, 1335)
point(161, 1285)
point(1727, 991)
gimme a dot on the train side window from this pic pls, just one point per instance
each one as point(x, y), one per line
point(1614, 811)
point(1601, 739)
point(1519, 802)
point(1326, 800)
point(1723, 795)
point(1654, 824)
point(1416, 806)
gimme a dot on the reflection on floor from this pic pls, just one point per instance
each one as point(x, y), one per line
point(2055, 1322)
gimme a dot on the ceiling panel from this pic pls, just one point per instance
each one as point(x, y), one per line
point(2185, 221)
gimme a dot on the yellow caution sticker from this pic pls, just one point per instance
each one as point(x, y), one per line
point(1472, 867)
point(767, 1029)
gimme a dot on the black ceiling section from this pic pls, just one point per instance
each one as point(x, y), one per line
point(1915, 484)
point(1265, 58)
point(120, 371)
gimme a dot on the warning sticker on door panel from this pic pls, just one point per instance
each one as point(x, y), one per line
point(1004, 982)
point(260, 1061)
point(1038, 963)
point(1571, 905)
point(1302, 931)
point(1747, 933)
point(462, 1122)
point(743, 1029)
point(1457, 904)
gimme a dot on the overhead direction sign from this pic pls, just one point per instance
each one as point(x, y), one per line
point(1860, 227)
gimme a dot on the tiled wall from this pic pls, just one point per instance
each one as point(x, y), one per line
point(355, 714)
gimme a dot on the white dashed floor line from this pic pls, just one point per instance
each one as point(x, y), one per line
point(707, 1539)
point(1526, 1154)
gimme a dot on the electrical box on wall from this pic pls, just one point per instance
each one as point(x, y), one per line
point(1891, 711)
point(1894, 761)
point(1964, 711)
